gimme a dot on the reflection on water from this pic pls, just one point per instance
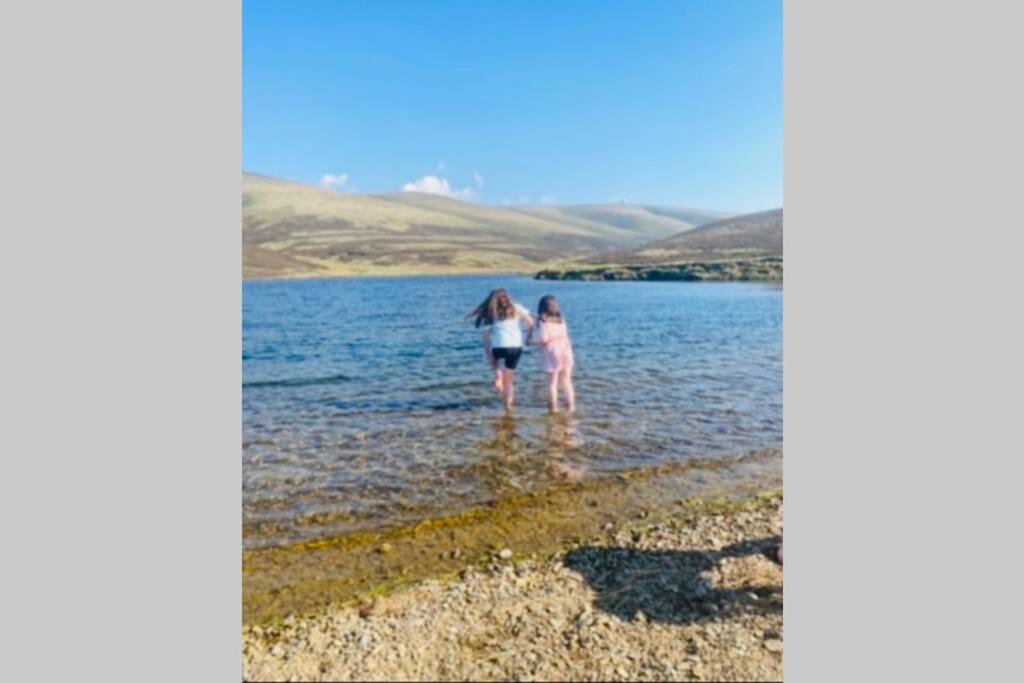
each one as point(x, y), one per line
point(367, 402)
point(563, 448)
point(511, 463)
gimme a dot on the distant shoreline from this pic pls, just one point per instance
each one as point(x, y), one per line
point(750, 270)
point(379, 275)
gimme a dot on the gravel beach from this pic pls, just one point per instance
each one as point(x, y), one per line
point(695, 595)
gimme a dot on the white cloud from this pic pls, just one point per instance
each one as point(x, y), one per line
point(516, 201)
point(478, 179)
point(334, 182)
point(548, 200)
point(433, 185)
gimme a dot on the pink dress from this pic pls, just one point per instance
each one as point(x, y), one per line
point(555, 348)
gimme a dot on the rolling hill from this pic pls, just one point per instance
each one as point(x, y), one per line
point(754, 235)
point(295, 230)
point(747, 247)
point(650, 222)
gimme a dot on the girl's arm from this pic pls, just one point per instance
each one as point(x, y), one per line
point(487, 349)
point(530, 326)
point(530, 339)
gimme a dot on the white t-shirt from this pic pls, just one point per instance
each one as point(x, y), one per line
point(508, 334)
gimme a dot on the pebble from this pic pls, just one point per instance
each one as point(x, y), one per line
point(369, 609)
point(385, 548)
point(505, 554)
point(773, 645)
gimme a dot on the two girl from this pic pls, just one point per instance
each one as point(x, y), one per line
point(503, 343)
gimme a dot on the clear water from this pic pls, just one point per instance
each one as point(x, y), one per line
point(367, 402)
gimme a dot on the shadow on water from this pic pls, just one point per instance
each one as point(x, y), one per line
point(673, 586)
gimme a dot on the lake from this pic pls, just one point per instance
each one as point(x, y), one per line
point(367, 402)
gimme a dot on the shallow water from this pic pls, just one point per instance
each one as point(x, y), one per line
point(366, 402)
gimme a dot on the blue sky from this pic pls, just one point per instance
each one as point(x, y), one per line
point(675, 102)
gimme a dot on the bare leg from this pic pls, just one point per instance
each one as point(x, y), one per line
point(553, 392)
point(509, 386)
point(495, 365)
point(570, 393)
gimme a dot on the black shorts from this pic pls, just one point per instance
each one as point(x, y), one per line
point(510, 355)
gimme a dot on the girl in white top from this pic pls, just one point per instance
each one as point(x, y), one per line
point(503, 339)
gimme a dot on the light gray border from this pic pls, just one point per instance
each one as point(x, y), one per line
point(120, 489)
point(121, 344)
point(902, 339)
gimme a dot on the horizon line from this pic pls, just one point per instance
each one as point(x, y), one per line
point(463, 200)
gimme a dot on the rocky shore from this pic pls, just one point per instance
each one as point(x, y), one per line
point(768, 269)
point(694, 594)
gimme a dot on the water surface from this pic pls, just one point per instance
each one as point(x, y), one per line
point(366, 402)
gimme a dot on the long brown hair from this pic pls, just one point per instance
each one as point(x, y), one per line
point(497, 306)
point(548, 310)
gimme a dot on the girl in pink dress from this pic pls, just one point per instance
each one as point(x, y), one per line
point(552, 336)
